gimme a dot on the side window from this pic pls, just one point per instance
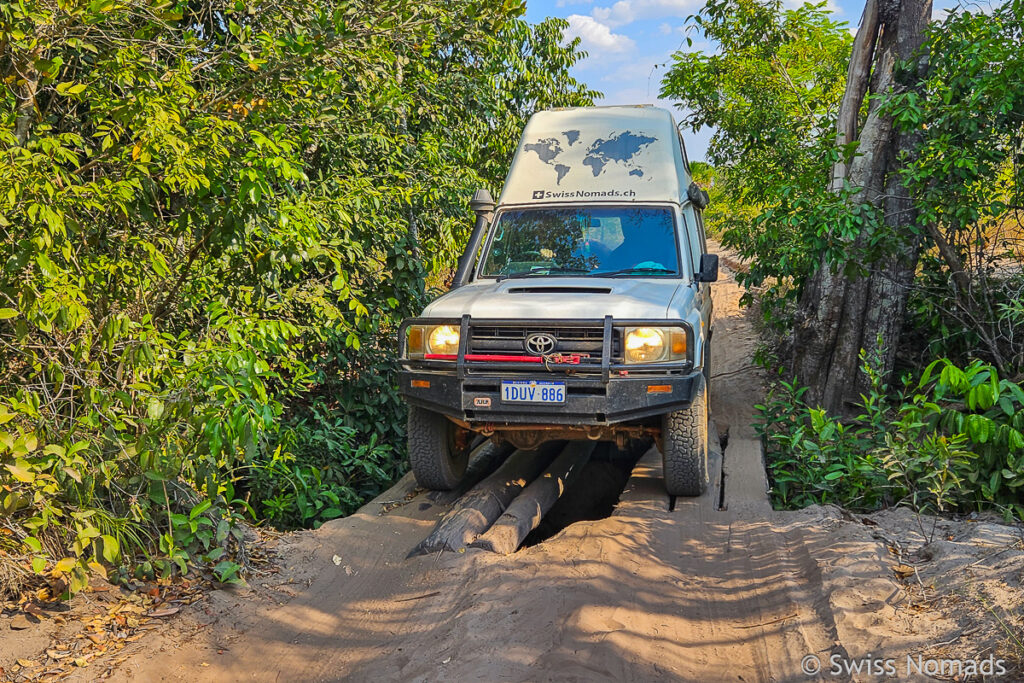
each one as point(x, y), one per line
point(682, 150)
point(693, 237)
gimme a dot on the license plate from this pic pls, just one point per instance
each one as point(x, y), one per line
point(529, 391)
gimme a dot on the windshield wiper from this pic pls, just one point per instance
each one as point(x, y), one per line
point(632, 271)
point(541, 271)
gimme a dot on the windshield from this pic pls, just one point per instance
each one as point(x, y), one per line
point(593, 241)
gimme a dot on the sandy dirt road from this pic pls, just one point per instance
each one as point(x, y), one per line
point(720, 588)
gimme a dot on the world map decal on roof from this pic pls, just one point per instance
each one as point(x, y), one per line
point(619, 148)
point(548, 150)
point(622, 148)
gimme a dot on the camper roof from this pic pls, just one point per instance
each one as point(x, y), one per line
point(598, 155)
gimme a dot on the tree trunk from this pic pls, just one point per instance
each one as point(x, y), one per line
point(482, 462)
point(892, 277)
point(478, 509)
point(843, 309)
point(526, 511)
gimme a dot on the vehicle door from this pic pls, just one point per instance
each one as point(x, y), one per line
point(696, 243)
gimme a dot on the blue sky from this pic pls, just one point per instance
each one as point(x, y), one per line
point(630, 44)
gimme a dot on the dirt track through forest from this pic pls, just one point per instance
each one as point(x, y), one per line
point(650, 593)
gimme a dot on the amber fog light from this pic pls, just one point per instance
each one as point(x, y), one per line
point(415, 340)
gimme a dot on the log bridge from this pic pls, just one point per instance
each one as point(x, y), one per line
point(506, 494)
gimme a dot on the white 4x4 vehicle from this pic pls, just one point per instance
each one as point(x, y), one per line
point(581, 308)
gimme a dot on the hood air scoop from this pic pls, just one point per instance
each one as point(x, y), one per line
point(559, 289)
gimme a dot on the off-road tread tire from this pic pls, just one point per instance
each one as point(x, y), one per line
point(684, 449)
point(436, 462)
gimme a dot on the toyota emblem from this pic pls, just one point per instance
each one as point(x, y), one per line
point(540, 344)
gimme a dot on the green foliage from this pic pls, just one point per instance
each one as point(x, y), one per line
point(967, 168)
point(954, 440)
point(815, 458)
point(771, 92)
point(213, 216)
point(319, 470)
point(968, 182)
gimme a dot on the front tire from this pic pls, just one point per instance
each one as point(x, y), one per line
point(437, 461)
point(684, 450)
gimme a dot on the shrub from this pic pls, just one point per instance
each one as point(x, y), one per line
point(952, 440)
point(319, 469)
point(213, 216)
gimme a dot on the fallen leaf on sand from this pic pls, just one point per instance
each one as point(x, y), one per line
point(34, 609)
point(27, 663)
point(20, 622)
point(903, 570)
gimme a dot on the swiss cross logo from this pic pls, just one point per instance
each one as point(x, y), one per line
point(538, 194)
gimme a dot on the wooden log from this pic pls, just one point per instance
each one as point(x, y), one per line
point(478, 509)
point(484, 460)
point(526, 511)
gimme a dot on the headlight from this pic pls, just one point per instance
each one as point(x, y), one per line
point(424, 339)
point(654, 344)
point(443, 339)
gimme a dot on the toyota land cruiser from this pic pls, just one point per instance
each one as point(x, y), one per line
point(580, 308)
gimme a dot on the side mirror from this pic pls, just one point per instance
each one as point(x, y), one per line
point(708, 268)
point(698, 196)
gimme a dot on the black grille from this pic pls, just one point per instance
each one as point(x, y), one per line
point(510, 340)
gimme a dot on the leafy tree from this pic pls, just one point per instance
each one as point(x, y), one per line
point(844, 247)
point(772, 93)
point(967, 180)
point(858, 292)
point(213, 215)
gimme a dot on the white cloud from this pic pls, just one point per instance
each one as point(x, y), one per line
point(664, 28)
point(627, 11)
point(619, 14)
point(595, 37)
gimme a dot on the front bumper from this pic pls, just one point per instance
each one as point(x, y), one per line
point(597, 394)
point(476, 398)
